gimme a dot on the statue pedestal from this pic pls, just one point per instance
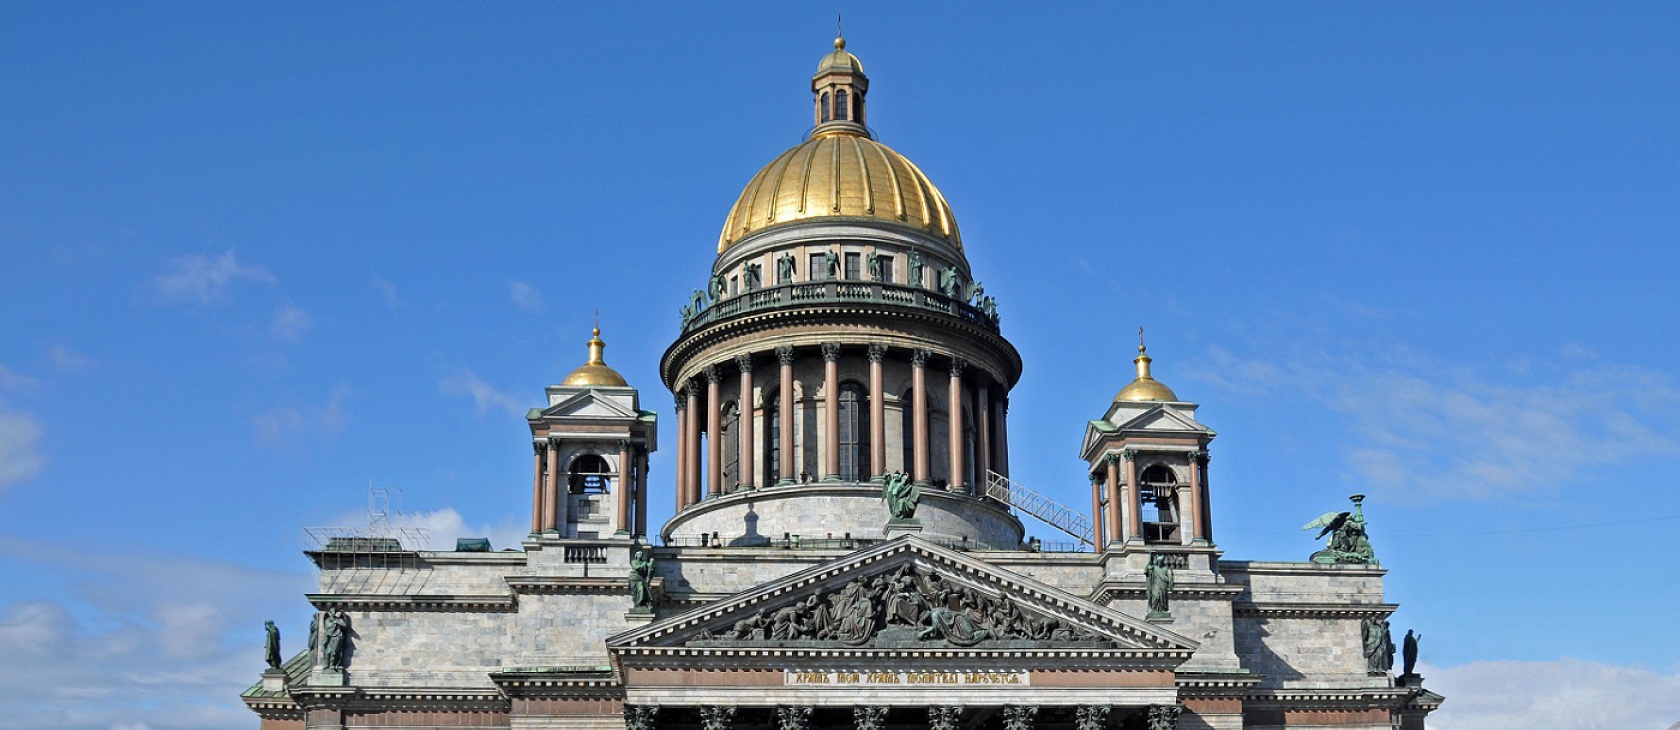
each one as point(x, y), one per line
point(639, 616)
point(1159, 617)
point(274, 679)
point(323, 677)
point(895, 528)
point(1411, 679)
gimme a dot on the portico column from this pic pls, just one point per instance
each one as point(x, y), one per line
point(784, 355)
point(624, 486)
point(1134, 502)
point(641, 493)
point(919, 440)
point(1116, 497)
point(744, 419)
point(714, 444)
point(682, 450)
point(692, 471)
point(1188, 511)
point(1204, 508)
point(954, 423)
point(877, 414)
point(537, 490)
point(983, 408)
point(1003, 435)
point(555, 515)
point(831, 408)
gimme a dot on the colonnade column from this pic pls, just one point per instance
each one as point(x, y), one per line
point(641, 493)
point(691, 471)
point(714, 444)
point(954, 423)
point(1099, 526)
point(1189, 512)
point(1003, 435)
point(554, 515)
point(624, 485)
point(919, 440)
point(983, 450)
point(1204, 508)
point(877, 414)
point(537, 490)
point(744, 419)
point(1116, 496)
point(784, 355)
point(1134, 501)
point(682, 450)
point(831, 411)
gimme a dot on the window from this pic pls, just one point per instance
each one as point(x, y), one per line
point(887, 269)
point(773, 439)
point(854, 433)
point(818, 267)
point(907, 426)
point(734, 285)
point(825, 116)
point(589, 475)
point(858, 102)
point(840, 106)
point(1158, 497)
point(854, 266)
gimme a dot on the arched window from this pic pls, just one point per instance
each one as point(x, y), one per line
point(1158, 497)
point(589, 475)
point(772, 439)
point(731, 427)
point(854, 433)
point(825, 116)
point(907, 427)
point(840, 106)
point(858, 102)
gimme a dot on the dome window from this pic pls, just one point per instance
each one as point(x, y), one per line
point(825, 116)
point(840, 98)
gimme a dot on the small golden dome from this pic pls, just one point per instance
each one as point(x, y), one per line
point(1144, 387)
point(838, 174)
point(840, 60)
point(595, 371)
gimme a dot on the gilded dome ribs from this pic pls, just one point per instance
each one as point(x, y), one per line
point(868, 186)
point(805, 176)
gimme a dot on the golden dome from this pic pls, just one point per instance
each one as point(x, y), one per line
point(840, 60)
point(595, 371)
point(1144, 387)
point(840, 173)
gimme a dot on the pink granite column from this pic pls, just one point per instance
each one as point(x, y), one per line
point(1099, 526)
point(983, 407)
point(877, 413)
point(682, 451)
point(744, 419)
point(831, 407)
point(714, 444)
point(954, 423)
point(691, 474)
point(918, 382)
point(641, 493)
point(1116, 525)
point(1134, 502)
point(537, 490)
point(784, 355)
point(624, 486)
point(553, 514)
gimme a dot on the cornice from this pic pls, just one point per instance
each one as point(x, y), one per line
point(437, 603)
point(1311, 610)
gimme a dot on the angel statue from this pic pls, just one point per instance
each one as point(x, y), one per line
point(901, 496)
point(1348, 542)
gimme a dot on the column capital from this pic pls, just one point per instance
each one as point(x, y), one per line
point(1196, 457)
point(785, 354)
point(868, 717)
point(1019, 717)
point(624, 444)
point(713, 375)
point(681, 400)
point(919, 357)
point(877, 352)
point(539, 447)
point(830, 351)
point(1129, 454)
point(795, 717)
point(957, 366)
point(743, 362)
point(692, 387)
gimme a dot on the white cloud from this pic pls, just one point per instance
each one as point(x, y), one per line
point(67, 360)
point(1570, 694)
point(438, 529)
point(149, 641)
point(205, 279)
point(290, 323)
point(20, 447)
point(524, 295)
point(15, 381)
point(389, 291)
point(1423, 427)
point(287, 421)
point(484, 395)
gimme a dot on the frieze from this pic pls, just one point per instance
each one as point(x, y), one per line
point(805, 678)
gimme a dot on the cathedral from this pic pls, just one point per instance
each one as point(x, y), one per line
point(846, 550)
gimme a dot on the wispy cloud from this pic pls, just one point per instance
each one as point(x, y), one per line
point(1570, 694)
point(206, 279)
point(290, 323)
point(1420, 426)
point(15, 381)
point(20, 447)
point(288, 421)
point(388, 290)
point(66, 360)
point(485, 397)
point(524, 295)
point(438, 529)
point(150, 641)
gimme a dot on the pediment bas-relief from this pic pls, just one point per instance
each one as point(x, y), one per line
point(911, 605)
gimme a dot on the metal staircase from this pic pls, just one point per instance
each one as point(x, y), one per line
point(1047, 510)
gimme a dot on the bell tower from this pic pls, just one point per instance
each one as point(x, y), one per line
point(592, 443)
point(1148, 468)
point(839, 87)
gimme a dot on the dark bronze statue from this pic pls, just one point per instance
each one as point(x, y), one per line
point(641, 580)
point(901, 495)
point(1348, 542)
point(1158, 579)
point(1409, 652)
point(271, 644)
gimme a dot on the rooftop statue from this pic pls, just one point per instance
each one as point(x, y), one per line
point(641, 580)
point(752, 276)
point(916, 267)
point(874, 266)
point(1159, 581)
point(786, 267)
point(1409, 652)
point(1378, 645)
point(1348, 542)
point(271, 644)
point(901, 495)
point(832, 261)
point(948, 282)
point(720, 287)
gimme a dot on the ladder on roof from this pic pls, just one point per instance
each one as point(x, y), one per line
point(1047, 510)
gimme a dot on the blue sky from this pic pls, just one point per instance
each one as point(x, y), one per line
point(257, 258)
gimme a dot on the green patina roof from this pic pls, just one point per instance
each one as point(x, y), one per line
point(297, 670)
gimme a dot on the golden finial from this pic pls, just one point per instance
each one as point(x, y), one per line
point(596, 345)
point(839, 36)
point(1143, 359)
point(1140, 339)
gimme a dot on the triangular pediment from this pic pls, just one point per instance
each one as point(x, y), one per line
point(588, 404)
point(1161, 418)
point(904, 594)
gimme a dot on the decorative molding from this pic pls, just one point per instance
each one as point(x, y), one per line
point(1271, 609)
point(431, 603)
